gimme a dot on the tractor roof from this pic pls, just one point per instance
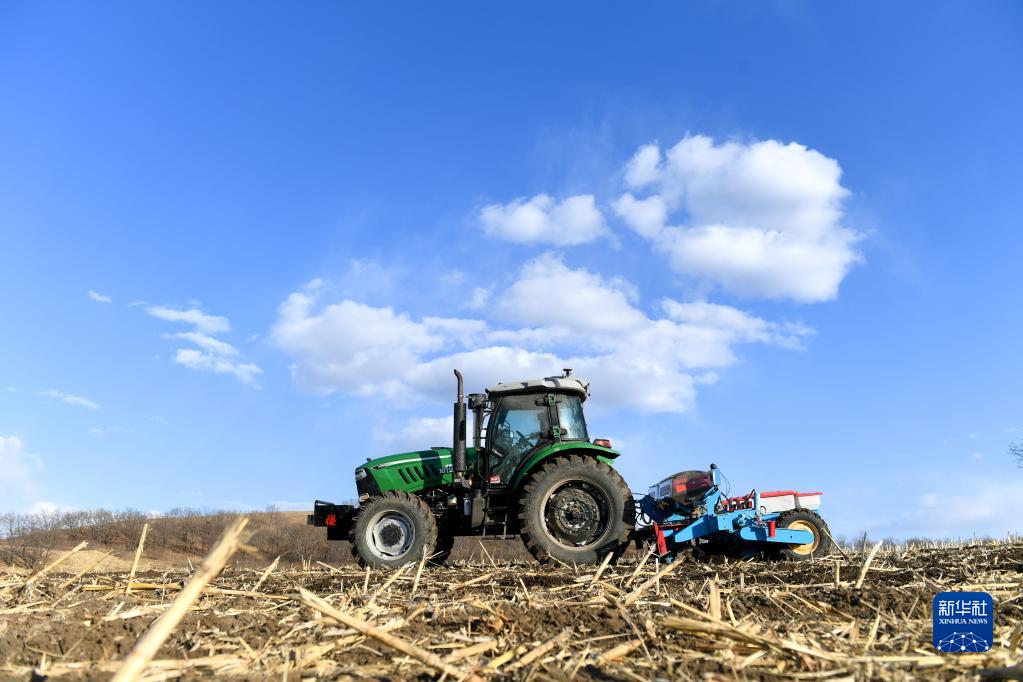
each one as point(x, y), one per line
point(576, 385)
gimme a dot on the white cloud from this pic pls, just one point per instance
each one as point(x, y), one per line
point(70, 398)
point(644, 166)
point(353, 347)
point(213, 354)
point(99, 298)
point(205, 342)
point(551, 317)
point(479, 299)
point(196, 359)
point(17, 473)
point(419, 432)
point(542, 220)
point(974, 506)
point(549, 293)
point(760, 219)
point(210, 324)
point(736, 324)
point(645, 216)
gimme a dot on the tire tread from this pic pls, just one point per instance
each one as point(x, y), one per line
point(534, 541)
point(413, 505)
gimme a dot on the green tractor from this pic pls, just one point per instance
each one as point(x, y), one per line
point(532, 471)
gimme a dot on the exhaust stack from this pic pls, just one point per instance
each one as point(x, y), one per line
point(458, 449)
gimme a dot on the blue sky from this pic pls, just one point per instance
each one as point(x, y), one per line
point(781, 237)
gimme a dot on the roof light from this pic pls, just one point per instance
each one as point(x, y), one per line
point(602, 442)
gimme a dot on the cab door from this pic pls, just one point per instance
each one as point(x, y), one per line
point(519, 425)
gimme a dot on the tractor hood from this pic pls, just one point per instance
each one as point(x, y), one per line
point(410, 471)
point(433, 455)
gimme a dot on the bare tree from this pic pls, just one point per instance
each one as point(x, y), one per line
point(1016, 452)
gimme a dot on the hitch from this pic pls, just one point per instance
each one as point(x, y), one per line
point(336, 518)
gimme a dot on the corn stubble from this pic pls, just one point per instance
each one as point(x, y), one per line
point(488, 618)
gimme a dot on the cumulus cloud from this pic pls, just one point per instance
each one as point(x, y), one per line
point(762, 219)
point(542, 220)
point(70, 399)
point(357, 348)
point(736, 324)
point(99, 298)
point(418, 433)
point(551, 317)
point(211, 354)
point(550, 294)
point(210, 324)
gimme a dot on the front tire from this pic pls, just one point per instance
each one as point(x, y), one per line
point(576, 510)
point(393, 529)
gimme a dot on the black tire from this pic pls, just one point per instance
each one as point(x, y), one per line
point(442, 550)
point(393, 529)
point(805, 520)
point(556, 510)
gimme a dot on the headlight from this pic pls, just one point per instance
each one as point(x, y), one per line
point(360, 474)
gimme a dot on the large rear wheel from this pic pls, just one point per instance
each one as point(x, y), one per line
point(576, 510)
point(393, 529)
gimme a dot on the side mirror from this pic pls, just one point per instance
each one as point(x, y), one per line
point(477, 400)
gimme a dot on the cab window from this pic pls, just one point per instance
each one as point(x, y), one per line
point(571, 419)
point(519, 424)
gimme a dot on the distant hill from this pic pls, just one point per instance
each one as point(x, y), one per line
point(183, 536)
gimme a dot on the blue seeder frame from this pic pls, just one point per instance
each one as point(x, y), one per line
point(674, 528)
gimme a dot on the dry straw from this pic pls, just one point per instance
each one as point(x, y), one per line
point(712, 619)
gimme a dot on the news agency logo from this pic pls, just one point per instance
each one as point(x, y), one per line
point(964, 622)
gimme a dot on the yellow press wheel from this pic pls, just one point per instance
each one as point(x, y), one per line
point(804, 519)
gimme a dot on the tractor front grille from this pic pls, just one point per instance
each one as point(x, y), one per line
point(417, 473)
point(410, 474)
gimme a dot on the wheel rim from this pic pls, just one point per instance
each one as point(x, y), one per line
point(576, 513)
point(391, 535)
point(809, 547)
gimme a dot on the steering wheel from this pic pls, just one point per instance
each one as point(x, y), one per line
point(523, 439)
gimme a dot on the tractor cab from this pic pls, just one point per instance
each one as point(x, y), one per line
point(515, 420)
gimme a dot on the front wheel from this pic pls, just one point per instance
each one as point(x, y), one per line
point(576, 510)
point(392, 530)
